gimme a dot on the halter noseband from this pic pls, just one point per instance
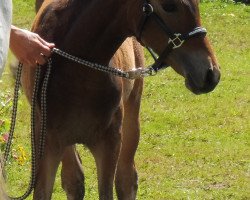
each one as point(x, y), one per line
point(175, 39)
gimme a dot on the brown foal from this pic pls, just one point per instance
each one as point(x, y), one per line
point(100, 110)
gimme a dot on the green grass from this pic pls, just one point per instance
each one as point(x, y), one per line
point(192, 147)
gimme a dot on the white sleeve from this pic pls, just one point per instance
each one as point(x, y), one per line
point(5, 25)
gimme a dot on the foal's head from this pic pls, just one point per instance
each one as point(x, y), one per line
point(163, 20)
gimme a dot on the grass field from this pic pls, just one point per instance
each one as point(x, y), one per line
point(192, 147)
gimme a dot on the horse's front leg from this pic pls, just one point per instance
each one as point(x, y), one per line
point(47, 168)
point(72, 174)
point(106, 153)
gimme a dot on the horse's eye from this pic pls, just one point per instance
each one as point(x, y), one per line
point(170, 7)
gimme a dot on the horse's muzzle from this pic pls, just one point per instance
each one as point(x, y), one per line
point(211, 80)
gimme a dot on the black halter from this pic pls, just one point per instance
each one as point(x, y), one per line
point(175, 39)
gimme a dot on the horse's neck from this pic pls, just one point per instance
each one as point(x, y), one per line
point(98, 32)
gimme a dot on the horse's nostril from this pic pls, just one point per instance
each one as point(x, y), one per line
point(210, 75)
point(213, 77)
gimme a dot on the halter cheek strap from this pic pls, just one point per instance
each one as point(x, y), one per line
point(175, 41)
point(147, 10)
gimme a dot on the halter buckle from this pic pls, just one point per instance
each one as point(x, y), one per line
point(177, 41)
point(148, 72)
point(140, 73)
point(147, 9)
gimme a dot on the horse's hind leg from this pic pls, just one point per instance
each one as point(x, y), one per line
point(47, 167)
point(72, 174)
point(126, 175)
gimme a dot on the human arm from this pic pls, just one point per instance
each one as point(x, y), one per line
point(29, 48)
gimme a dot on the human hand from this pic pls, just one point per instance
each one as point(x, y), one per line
point(29, 48)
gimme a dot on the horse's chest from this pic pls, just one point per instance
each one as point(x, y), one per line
point(84, 114)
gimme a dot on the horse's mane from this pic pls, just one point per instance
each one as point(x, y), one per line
point(56, 15)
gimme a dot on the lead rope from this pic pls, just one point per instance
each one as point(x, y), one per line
point(14, 112)
point(133, 74)
point(42, 122)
